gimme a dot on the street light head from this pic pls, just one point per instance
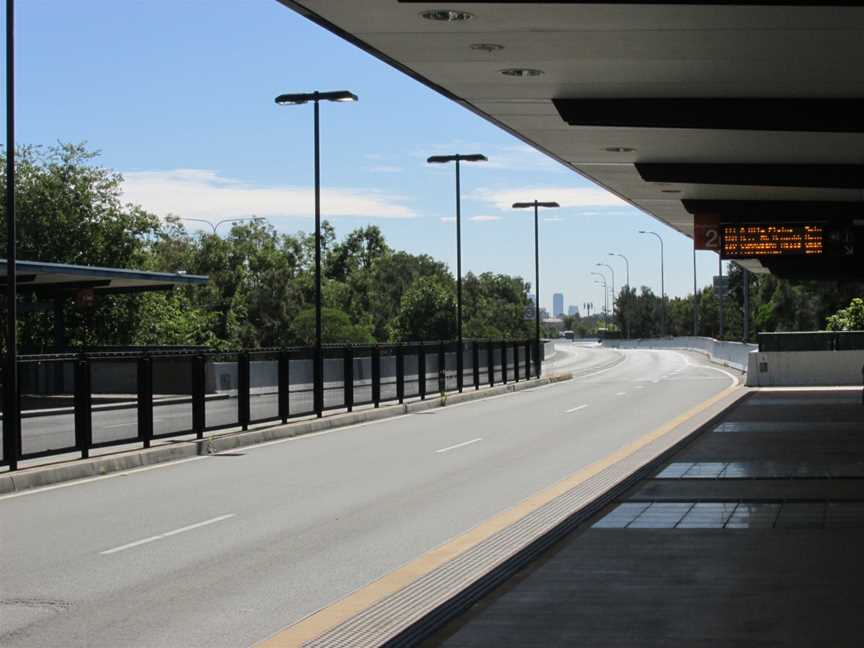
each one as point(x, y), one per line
point(293, 99)
point(306, 97)
point(642, 232)
point(523, 205)
point(442, 159)
point(342, 96)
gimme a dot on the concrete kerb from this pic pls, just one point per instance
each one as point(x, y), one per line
point(40, 476)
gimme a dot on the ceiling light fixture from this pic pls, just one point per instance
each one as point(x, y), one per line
point(671, 191)
point(446, 15)
point(620, 149)
point(487, 47)
point(521, 72)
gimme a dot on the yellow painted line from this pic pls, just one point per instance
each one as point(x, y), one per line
point(327, 618)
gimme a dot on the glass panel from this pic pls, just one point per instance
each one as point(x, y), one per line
point(432, 386)
point(172, 395)
point(114, 387)
point(47, 406)
point(220, 392)
point(450, 370)
point(263, 389)
point(363, 379)
point(388, 376)
point(412, 387)
point(300, 399)
point(334, 382)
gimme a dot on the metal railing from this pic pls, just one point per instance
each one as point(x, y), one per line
point(78, 402)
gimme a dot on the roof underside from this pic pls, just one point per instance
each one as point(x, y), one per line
point(642, 64)
point(58, 279)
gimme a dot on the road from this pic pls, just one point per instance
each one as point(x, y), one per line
point(226, 550)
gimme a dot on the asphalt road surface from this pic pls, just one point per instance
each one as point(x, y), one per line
point(226, 550)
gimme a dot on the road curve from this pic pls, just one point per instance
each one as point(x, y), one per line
point(226, 550)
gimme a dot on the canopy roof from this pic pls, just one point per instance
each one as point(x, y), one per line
point(61, 278)
point(677, 107)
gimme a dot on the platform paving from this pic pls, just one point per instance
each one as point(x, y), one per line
point(752, 534)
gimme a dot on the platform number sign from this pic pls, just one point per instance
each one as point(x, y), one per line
point(707, 233)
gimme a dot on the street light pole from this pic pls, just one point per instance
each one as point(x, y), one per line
point(443, 159)
point(695, 298)
point(612, 271)
point(605, 298)
point(294, 100)
point(662, 283)
point(625, 314)
point(536, 205)
point(11, 424)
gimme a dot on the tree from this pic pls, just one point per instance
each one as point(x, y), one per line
point(427, 312)
point(69, 210)
point(850, 318)
point(336, 328)
point(494, 306)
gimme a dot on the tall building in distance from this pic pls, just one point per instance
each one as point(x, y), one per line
point(557, 305)
point(572, 310)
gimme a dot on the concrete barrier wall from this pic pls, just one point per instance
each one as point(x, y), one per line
point(729, 354)
point(805, 368)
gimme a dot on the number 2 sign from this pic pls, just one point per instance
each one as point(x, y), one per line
point(706, 232)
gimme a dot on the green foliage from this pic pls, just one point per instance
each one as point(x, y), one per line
point(169, 319)
point(336, 327)
point(850, 318)
point(493, 306)
point(427, 312)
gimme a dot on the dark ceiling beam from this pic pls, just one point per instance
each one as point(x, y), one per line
point(827, 176)
point(776, 208)
point(799, 115)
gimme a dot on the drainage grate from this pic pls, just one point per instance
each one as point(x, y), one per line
point(734, 515)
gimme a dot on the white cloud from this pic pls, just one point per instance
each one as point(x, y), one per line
point(553, 220)
point(203, 193)
point(448, 219)
point(565, 196)
point(484, 219)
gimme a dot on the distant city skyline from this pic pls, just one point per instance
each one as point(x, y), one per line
point(558, 304)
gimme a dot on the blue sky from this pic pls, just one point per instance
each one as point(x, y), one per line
point(178, 96)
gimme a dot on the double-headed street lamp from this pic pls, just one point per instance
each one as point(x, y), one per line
point(215, 226)
point(605, 297)
point(626, 303)
point(536, 205)
point(612, 271)
point(662, 284)
point(342, 96)
point(444, 159)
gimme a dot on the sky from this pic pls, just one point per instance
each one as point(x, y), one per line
point(177, 95)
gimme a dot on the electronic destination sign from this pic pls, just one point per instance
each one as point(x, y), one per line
point(755, 240)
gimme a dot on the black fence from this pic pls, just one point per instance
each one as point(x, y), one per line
point(78, 402)
point(812, 341)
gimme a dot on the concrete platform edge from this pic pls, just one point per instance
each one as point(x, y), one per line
point(40, 476)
